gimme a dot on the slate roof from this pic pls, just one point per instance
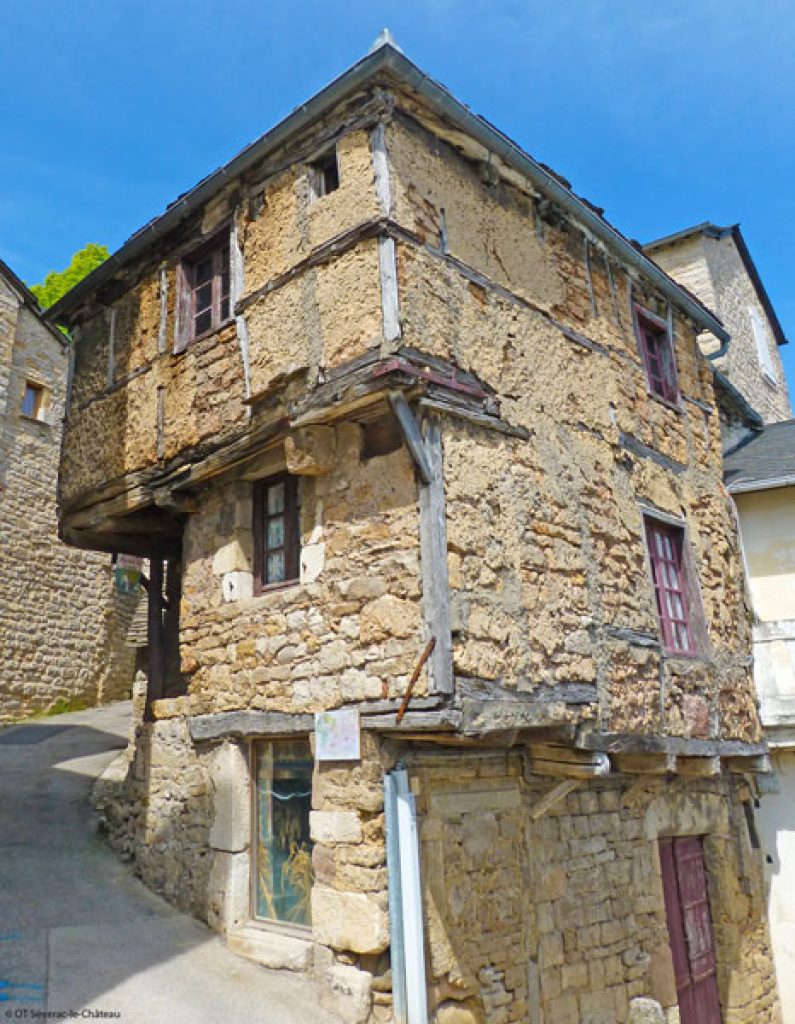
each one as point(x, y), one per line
point(763, 461)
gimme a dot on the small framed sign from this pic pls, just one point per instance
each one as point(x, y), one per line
point(337, 736)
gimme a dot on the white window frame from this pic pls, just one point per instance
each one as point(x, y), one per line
point(761, 338)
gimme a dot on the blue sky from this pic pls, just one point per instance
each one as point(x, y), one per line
point(665, 112)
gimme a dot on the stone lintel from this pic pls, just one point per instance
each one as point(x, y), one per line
point(248, 723)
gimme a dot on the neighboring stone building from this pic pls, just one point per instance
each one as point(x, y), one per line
point(714, 263)
point(759, 444)
point(62, 623)
point(761, 477)
point(450, 695)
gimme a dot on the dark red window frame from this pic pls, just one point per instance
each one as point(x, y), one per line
point(205, 292)
point(666, 544)
point(657, 351)
point(277, 539)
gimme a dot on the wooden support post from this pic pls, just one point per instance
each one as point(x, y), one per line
point(433, 558)
point(157, 660)
point(411, 434)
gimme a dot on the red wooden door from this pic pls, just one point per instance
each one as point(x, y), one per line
point(690, 929)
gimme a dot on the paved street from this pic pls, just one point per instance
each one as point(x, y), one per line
point(78, 931)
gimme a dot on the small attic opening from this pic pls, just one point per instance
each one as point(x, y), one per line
point(325, 174)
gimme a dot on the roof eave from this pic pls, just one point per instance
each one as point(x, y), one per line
point(767, 484)
point(443, 103)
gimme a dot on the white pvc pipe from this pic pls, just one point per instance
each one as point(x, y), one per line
point(411, 893)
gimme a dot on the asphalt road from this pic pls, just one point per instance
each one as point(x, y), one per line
point(78, 932)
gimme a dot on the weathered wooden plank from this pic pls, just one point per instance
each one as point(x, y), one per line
point(571, 769)
point(433, 558)
point(613, 743)
point(480, 419)
point(554, 796)
point(383, 186)
point(162, 333)
point(442, 720)
point(248, 723)
point(156, 672)
point(411, 434)
point(644, 764)
point(698, 767)
point(390, 305)
point(759, 765)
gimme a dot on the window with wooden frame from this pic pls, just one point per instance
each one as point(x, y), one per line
point(672, 587)
point(277, 541)
point(204, 290)
point(325, 174)
point(657, 352)
point(33, 401)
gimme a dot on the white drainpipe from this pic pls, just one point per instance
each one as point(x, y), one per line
point(405, 901)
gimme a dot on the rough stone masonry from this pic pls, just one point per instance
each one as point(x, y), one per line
point(62, 625)
point(387, 333)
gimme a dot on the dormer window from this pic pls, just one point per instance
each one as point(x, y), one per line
point(657, 352)
point(204, 300)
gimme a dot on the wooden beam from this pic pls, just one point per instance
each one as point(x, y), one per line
point(155, 687)
point(411, 434)
point(554, 796)
point(644, 764)
point(567, 762)
point(698, 767)
point(433, 559)
point(759, 765)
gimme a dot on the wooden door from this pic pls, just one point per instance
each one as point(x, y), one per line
point(690, 929)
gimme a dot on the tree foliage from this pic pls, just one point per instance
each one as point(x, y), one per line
point(58, 282)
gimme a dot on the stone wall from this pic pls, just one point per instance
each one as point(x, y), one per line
point(561, 918)
point(62, 622)
point(713, 269)
point(542, 528)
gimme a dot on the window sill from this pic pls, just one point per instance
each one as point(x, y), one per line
point(275, 588)
point(674, 406)
point(696, 656)
point(203, 336)
point(34, 419)
point(273, 946)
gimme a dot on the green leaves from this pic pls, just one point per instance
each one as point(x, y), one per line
point(59, 282)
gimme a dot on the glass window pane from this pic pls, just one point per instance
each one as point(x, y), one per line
point(203, 271)
point(203, 322)
point(203, 297)
point(275, 533)
point(284, 849)
point(30, 401)
point(225, 307)
point(275, 567)
point(276, 499)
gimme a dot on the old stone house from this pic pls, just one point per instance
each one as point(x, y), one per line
point(62, 621)
point(759, 449)
point(716, 265)
point(450, 697)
